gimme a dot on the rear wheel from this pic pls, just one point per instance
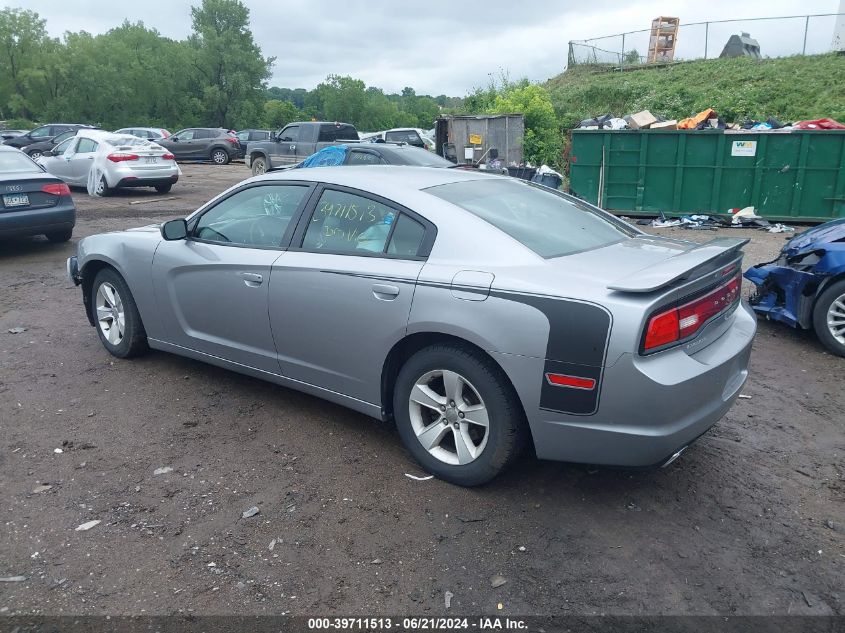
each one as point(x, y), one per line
point(259, 166)
point(59, 236)
point(102, 188)
point(829, 318)
point(457, 414)
point(219, 157)
point(164, 188)
point(118, 321)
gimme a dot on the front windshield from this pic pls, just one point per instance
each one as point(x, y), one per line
point(539, 218)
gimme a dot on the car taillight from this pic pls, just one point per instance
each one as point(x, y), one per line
point(168, 157)
point(121, 158)
point(682, 322)
point(233, 140)
point(56, 189)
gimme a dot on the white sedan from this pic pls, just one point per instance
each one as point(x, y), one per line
point(104, 161)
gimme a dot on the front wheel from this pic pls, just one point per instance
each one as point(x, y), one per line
point(118, 321)
point(457, 414)
point(220, 157)
point(259, 166)
point(829, 318)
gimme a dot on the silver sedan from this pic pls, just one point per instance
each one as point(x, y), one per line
point(479, 313)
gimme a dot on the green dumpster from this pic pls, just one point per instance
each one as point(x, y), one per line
point(796, 175)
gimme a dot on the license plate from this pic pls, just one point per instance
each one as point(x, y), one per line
point(151, 159)
point(16, 200)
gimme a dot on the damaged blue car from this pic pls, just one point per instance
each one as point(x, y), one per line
point(805, 286)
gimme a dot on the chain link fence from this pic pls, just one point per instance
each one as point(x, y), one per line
point(777, 37)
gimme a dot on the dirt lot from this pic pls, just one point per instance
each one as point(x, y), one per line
point(748, 521)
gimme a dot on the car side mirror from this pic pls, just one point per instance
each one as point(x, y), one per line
point(173, 230)
point(47, 152)
point(175, 139)
point(273, 136)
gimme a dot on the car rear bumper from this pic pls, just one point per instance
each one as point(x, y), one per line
point(38, 221)
point(652, 407)
point(146, 182)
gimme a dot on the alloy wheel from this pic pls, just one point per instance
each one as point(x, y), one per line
point(449, 417)
point(219, 157)
point(111, 317)
point(836, 319)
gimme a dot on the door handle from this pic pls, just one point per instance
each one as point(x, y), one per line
point(385, 292)
point(253, 280)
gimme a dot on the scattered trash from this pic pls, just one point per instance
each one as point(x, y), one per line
point(806, 599)
point(240, 585)
point(272, 545)
point(447, 597)
point(87, 526)
point(58, 451)
point(13, 579)
point(470, 519)
point(152, 200)
point(633, 506)
point(521, 548)
point(836, 527)
point(17, 330)
point(415, 478)
point(250, 513)
point(42, 488)
point(742, 396)
point(377, 561)
point(780, 228)
point(497, 581)
point(500, 606)
point(163, 470)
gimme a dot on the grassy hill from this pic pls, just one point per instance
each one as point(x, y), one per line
point(789, 89)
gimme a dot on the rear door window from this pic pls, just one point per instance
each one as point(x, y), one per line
point(86, 146)
point(359, 157)
point(347, 223)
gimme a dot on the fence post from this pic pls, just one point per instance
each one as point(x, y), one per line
point(806, 28)
point(622, 62)
point(706, 37)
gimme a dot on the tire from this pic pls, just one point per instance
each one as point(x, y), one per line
point(59, 236)
point(110, 291)
point(36, 153)
point(164, 188)
point(220, 157)
point(829, 318)
point(259, 166)
point(103, 188)
point(483, 386)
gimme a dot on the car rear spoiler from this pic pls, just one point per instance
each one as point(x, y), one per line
point(677, 267)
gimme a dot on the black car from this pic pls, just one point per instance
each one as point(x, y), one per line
point(382, 153)
point(245, 136)
point(41, 133)
point(32, 202)
point(34, 150)
point(203, 143)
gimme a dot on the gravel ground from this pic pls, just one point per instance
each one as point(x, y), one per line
point(749, 521)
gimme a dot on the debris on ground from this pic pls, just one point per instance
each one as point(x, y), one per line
point(41, 488)
point(470, 519)
point(447, 597)
point(272, 545)
point(497, 581)
point(742, 396)
point(163, 470)
point(87, 526)
point(415, 478)
point(250, 513)
point(17, 330)
point(58, 451)
point(13, 579)
point(377, 561)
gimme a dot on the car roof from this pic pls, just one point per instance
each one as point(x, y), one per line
point(376, 178)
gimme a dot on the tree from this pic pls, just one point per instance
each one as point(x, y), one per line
point(543, 141)
point(230, 68)
point(23, 38)
point(278, 114)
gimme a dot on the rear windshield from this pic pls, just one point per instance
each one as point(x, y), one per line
point(17, 163)
point(544, 221)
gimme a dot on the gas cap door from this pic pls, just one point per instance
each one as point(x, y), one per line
point(472, 285)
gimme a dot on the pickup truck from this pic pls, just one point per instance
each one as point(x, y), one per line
point(295, 142)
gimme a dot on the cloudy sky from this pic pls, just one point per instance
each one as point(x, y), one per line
point(448, 47)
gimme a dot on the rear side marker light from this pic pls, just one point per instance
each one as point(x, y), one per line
point(574, 382)
point(682, 322)
point(56, 189)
